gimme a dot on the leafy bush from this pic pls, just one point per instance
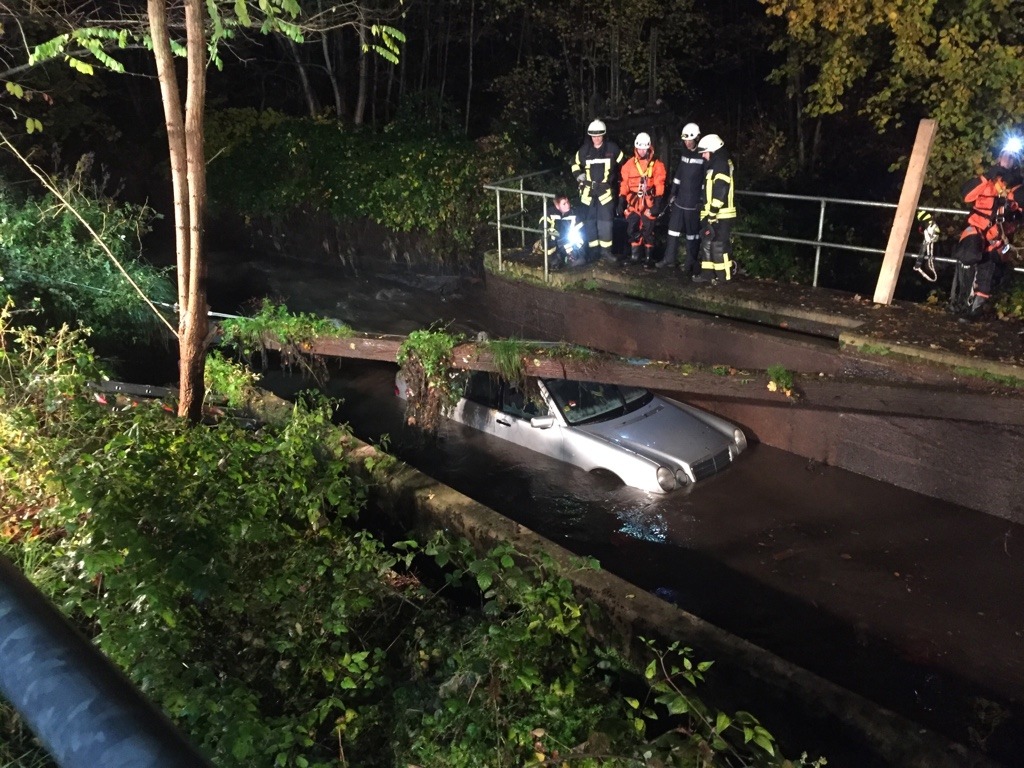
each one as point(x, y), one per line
point(270, 166)
point(46, 254)
point(767, 259)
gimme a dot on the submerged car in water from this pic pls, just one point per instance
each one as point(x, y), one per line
point(647, 441)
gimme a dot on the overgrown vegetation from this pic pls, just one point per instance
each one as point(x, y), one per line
point(432, 388)
point(309, 641)
point(48, 260)
point(1009, 301)
point(268, 166)
point(292, 332)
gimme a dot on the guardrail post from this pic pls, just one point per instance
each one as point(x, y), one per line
point(817, 249)
point(497, 195)
point(522, 216)
point(544, 238)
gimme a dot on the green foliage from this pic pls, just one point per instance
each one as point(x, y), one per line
point(434, 389)
point(292, 332)
point(508, 357)
point(1009, 302)
point(766, 259)
point(516, 683)
point(48, 255)
point(230, 381)
point(45, 419)
point(958, 62)
point(286, 165)
point(779, 378)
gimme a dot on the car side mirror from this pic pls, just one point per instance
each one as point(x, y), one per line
point(542, 422)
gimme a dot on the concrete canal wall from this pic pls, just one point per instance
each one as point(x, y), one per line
point(975, 465)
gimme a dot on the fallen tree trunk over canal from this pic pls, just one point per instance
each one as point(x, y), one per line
point(1002, 406)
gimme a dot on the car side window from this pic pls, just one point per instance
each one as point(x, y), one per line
point(515, 403)
point(483, 388)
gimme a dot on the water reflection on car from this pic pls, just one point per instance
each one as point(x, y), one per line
point(649, 442)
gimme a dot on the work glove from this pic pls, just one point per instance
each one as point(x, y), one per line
point(671, 201)
point(581, 178)
point(709, 230)
point(620, 208)
point(657, 206)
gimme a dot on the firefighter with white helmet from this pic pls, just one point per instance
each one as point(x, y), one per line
point(595, 168)
point(685, 204)
point(718, 209)
point(641, 193)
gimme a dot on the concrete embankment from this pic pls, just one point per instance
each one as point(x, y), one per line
point(802, 709)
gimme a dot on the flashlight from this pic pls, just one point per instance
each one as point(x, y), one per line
point(1013, 145)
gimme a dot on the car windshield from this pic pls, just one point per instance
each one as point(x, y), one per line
point(583, 402)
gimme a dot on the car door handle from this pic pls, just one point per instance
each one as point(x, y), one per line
point(505, 423)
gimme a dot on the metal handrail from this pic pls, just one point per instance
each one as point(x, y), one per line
point(515, 185)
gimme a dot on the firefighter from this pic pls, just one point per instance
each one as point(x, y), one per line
point(595, 168)
point(641, 196)
point(996, 199)
point(684, 204)
point(718, 210)
point(566, 246)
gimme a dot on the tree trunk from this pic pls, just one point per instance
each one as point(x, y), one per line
point(364, 73)
point(339, 103)
point(194, 322)
point(188, 182)
point(469, 66)
point(174, 122)
point(300, 66)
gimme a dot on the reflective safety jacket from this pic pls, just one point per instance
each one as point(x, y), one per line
point(718, 188)
point(996, 199)
point(688, 183)
point(643, 182)
point(563, 229)
point(991, 196)
point(600, 164)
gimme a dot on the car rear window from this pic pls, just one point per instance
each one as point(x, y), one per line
point(582, 402)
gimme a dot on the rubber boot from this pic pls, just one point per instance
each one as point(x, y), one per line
point(637, 254)
point(977, 306)
point(667, 261)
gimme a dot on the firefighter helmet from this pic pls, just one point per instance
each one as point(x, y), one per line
point(596, 128)
point(710, 143)
point(690, 132)
point(643, 141)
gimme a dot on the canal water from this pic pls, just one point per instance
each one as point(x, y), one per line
point(913, 603)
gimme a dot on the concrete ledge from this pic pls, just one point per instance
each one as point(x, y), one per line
point(414, 502)
point(1008, 372)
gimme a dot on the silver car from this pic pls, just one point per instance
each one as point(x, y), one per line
point(649, 442)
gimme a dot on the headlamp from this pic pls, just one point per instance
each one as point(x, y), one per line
point(1013, 146)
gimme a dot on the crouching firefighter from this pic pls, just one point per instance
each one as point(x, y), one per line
point(996, 199)
point(641, 196)
point(565, 243)
point(718, 211)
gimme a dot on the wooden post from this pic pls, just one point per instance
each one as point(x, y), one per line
point(905, 210)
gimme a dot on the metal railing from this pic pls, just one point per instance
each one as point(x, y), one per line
point(83, 709)
point(518, 218)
